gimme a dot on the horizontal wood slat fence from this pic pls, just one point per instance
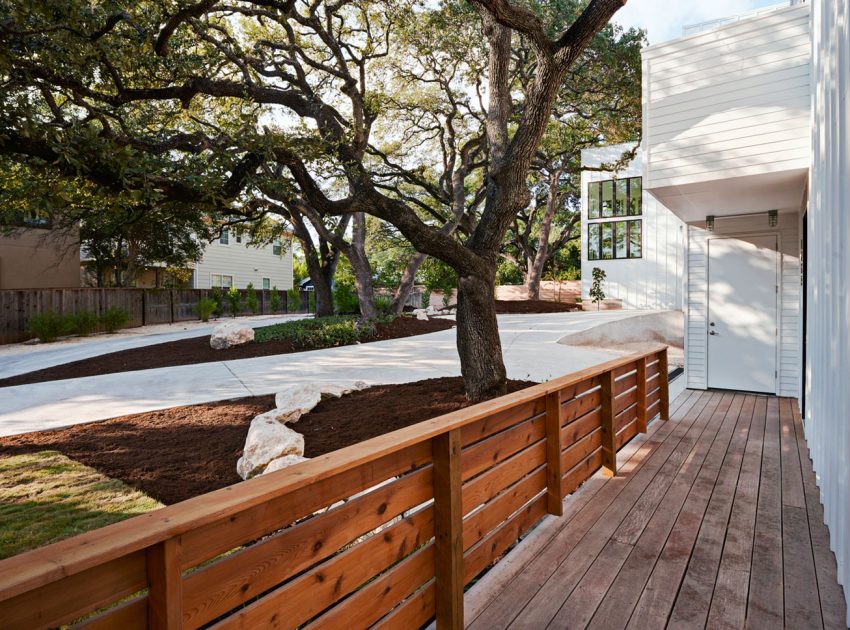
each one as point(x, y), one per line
point(386, 533)
point(145, 306)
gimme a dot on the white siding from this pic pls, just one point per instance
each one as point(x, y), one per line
point(245, 263)
point(730, 102)
point(789, 299)
point(654, 281)
point(827, 418)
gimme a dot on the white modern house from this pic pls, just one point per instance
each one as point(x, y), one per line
point(744, 218)
point(232, 261)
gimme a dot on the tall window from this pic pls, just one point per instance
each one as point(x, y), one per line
point(276, 247)
point(224, 239)
point(267, 284)
point(608, 235)
point(221, 281)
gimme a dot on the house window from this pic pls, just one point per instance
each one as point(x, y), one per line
point(267, 284)
point(276, 247)
point(221, 281)
point(608, 235)
point(238, 238)
point(224, 239)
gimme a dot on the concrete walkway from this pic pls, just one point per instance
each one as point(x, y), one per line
point(21, 358)
point(529, 343)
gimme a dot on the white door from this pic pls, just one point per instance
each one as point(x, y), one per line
point(743, 281)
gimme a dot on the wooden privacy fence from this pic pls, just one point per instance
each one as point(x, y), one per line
point(387, 532)
point(145, 306)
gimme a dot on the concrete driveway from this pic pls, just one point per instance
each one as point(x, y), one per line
point(529, 343)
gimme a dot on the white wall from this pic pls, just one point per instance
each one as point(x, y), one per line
point(789, 300)
point(827, 417)
point(246, 264)
point(655, 280)
point(730, 102)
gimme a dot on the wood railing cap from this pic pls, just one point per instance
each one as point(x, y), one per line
point(53, 562)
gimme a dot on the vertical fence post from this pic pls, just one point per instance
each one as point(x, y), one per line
point(664, 385)
point(641, 395)
point(448, 531)
point(165, 598)
point(554, 501)
point(609, 435)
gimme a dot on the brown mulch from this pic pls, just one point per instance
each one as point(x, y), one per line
point(514, 307)
point(178, 453)
point(197, 350)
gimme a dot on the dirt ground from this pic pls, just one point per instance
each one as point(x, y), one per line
point(174, 454)
point(197, 350)
point(513, 307)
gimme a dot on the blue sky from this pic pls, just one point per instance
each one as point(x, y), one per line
point(664, 19)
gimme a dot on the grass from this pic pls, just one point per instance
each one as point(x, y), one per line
point(318, 332)
point(45, 497)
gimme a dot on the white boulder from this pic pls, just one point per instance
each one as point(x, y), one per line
point(230, 334)
point(421, 313)
point(335, 390)
point(268, 439)
point(296, 400)
point(284, 462)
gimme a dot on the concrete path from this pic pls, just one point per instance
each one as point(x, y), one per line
point(529, 343)
point(21, 358)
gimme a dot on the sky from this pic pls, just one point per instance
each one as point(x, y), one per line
point(664, 19)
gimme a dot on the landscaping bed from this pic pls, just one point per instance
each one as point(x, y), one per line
point(515, 307)
point(286, 338)
point(178, 453)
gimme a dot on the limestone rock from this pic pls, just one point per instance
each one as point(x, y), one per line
point(335, 390)
point(421, 313)
point(230, 334)
point(284, 462)
point(268, 439)
point(296, 400)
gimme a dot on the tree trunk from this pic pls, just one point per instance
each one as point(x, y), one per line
point(405, 286)
point(356, 254)
point(478, 343)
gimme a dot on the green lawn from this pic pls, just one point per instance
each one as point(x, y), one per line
point(45, 497)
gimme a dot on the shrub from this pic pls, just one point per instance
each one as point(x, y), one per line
point(47, 326)
point(275, 300)
point(319, 332)
point(218, 297)
point(251, 300)
point(82, 323)
point(205, 308)
point(345, 299)
point(426, 299)
point(383, 305)
point(234, 301)
point(114, 318)
point(596, 292)
point(293, 300)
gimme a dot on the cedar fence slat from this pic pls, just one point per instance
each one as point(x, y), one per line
point(388, 531)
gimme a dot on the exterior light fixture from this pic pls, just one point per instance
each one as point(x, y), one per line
point(709, 223)
point(773, 218)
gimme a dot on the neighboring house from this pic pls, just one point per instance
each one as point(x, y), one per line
point(636, 240)
point(746, 140)
point(38, 257)
point(231, 261)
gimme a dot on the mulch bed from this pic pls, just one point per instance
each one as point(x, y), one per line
point(515, 307)
point(178, 453)
point(197, 350)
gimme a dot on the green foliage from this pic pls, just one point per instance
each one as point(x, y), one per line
point(508, 273)
point(293, 300)
point(114, 318)
point(345, 299)
point(234, 301)
point(275, 300)
point(311, 302)
point(218, 297)
point(252, 302)
point(426, 299)
point(438, 276)
point(47, 326)
point(82, 323)
point(205, 308)
point(299, 269)
point(596, 292)
point(319, 332)
point(383, 304)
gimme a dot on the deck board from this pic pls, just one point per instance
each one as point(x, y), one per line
point(714, 520)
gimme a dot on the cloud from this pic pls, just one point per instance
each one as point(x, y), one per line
point(664, 19)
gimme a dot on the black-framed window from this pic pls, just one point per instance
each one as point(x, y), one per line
point(611, 240)
point(615, 198)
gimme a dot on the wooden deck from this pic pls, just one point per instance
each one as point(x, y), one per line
point(713, 521)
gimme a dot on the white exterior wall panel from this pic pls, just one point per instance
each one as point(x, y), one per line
point(245, 263)
point(654, 281)
point(827, 413)
point(730, 102)
point(788, 347)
